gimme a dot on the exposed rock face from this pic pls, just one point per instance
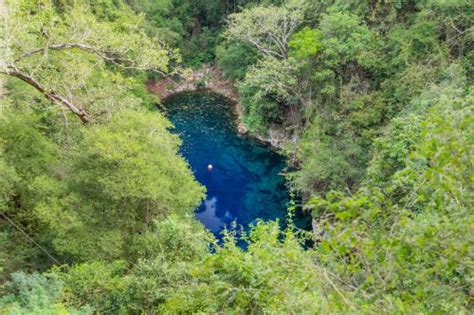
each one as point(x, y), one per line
point(206, 77)
point(277, 137)
point(211, 78)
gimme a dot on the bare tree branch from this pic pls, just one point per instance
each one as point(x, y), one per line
point(51, 94)
point(113, 57)
point(60, 47)
point(269, 29)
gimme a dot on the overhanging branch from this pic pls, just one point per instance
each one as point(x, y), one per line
point(111, 56)
point(51, 94)
point(63, 46)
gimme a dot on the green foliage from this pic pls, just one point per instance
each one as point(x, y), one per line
point(269, 89)
point(169, 250)
point(120, 35)
point(192, 25)
point(67, 53)
point(98, 284)
point(176, 240)
point(356, 65)
point(235, 59)
point(25, 145)
point(390, 241)
point(25, 154)
point(305, 43)
point(8, 181)
point(377, 97)
point(49, 163)
point(326, 164)
point(392, 149)
point(267, 28)
point(123, 175)
point(34, 294)
point(274, 268)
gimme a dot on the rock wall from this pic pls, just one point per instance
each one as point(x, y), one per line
point(207, 77)
point(211, 78)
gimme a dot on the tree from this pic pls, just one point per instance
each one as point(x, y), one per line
point(123, 176)
point(305, 43)
point(170, 249)
point(34, 294)
point(273, 268)
point(270, 93)
point(50, 168)
point(49, 40)
point(269, 28)
point(392, 237)
point(235, 59)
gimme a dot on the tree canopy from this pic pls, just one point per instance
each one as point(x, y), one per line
point(374, 100)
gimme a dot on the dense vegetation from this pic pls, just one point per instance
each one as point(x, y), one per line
point(97, 205)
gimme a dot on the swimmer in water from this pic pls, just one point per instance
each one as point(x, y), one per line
point(210, 167)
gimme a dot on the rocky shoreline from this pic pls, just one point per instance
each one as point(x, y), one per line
point(211, 78)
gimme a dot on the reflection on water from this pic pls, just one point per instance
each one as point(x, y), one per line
point(207, 213)
point(244, 183)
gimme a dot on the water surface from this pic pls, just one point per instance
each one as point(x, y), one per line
point(245, 183)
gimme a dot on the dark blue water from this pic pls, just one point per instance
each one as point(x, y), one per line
point(245, 183)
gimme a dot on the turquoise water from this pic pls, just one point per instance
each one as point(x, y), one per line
point(245, 183)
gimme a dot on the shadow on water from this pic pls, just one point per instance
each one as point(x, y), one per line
point(245, 183)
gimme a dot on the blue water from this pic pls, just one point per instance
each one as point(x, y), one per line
point(245, 183)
